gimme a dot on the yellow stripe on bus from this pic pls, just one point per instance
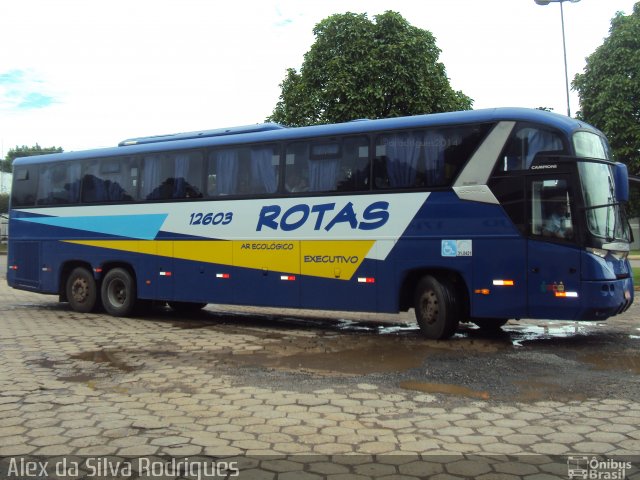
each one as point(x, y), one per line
point(319, 258)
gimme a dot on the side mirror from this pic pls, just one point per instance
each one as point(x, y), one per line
point(621, 177)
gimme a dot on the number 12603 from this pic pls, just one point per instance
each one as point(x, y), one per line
point(219, 218)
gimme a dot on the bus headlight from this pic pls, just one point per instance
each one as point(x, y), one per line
point(598, 251)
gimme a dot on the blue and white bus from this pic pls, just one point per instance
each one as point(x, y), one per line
point(476, 216)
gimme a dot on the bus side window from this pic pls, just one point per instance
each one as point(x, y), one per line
point(264, 163)
point(328, 165)
point(296, 175)
point(222, 173)
point(396, 162)
point(188, 175)
point(171, 176)
point(424, 158)
point(525, 143)
point(59, 184)
point(354, 165)
point(24, 190)
point(110, 180)
point(410, 159)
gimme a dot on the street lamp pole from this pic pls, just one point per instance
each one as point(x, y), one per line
point(564, 45)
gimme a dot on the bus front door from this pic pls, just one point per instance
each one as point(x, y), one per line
point(553, 257)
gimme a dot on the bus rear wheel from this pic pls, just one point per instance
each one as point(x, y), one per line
point(118, 292)
point(436, 308)
point(81, 290)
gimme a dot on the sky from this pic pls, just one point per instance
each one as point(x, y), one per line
point(89, 73)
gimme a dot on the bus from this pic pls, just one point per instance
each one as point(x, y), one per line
point(474, 216)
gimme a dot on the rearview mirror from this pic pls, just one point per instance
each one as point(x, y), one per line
point(621, 176)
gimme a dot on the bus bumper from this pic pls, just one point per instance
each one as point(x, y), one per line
point(606, 298)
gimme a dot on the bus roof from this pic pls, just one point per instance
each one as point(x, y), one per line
point(219, 132)
point(264, 133)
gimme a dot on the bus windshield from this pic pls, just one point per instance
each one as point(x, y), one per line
point(590, 145)
point(605, 217)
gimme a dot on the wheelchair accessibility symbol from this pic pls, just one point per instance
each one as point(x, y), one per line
point(456, 248)
point(449, 248)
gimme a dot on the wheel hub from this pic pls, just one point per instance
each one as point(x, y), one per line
point(80, 290)
point(429, 307)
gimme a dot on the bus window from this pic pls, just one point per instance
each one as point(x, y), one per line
point(171, 176)
point(355, 165)
point(223, 172)
point(58, 184)
point(525, 143)
point(328, 166)
point(424, 158)
point(312, 167)
point(23, 192)
point(551, 205)
point(264, 163)
point(243, 171)
point(110, 180)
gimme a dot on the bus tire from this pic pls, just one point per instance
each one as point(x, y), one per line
point(436, 308)
point(186, 307)
point(118, 293)
point(490, 324)
point(81, 290)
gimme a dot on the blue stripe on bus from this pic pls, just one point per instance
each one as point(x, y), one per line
point(143, 227)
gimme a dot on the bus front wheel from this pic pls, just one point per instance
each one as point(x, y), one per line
point(118, 292)
point(81, 290)
point(436, 308)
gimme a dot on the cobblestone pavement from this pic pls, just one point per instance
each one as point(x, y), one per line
point(227, 385)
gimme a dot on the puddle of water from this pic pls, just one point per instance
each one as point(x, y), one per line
point(449, 389)
point(523, 334)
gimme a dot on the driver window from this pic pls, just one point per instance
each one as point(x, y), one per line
point(551, 209)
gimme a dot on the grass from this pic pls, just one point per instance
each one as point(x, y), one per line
point(636, 276)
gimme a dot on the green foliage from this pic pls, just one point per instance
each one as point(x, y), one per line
point(358, 68)
point(609, 88)
point(4, 202)
point(25, 151)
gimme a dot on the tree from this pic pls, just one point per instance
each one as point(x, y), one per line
point(4, 203)
point(25, 151)
point(609, 88)
point(358, 68)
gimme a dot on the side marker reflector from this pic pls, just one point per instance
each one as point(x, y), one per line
point(366, 280)
point(567, 294)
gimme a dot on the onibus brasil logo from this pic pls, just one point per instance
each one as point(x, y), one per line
point(587, 468)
